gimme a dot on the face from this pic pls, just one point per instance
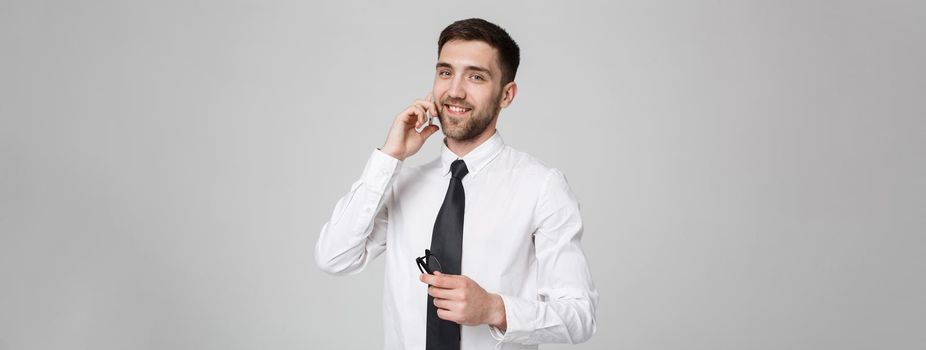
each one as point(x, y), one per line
point(467, 86)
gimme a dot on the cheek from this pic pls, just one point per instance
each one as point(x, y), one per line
point(487, 99)
point(440, 88)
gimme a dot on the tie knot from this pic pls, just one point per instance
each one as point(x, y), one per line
point(458, 169)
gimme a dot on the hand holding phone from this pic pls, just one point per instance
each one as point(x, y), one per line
point(411, 128)
point(431, 119)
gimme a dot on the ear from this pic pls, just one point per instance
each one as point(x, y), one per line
point(508, 93)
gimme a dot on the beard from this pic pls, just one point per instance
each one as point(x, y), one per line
point(467, 128)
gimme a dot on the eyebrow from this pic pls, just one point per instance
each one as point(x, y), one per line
point(465, 68)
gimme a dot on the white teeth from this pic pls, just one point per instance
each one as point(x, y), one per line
point(456, 109)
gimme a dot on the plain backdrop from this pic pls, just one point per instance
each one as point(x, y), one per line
point(751, 173)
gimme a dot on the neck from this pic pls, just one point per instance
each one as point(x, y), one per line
point(462, 147)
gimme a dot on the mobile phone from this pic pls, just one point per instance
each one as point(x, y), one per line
point(431, 120)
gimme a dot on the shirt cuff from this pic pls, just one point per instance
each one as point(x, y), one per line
point(517, 330)
point(379, 170)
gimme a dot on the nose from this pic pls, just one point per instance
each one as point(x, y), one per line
point(456, 90)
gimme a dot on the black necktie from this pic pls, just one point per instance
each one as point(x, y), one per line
point(447, 246)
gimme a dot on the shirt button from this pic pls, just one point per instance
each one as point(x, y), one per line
point(369, 210)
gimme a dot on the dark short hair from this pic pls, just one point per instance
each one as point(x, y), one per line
point(478, 29)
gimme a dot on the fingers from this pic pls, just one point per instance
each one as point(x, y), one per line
point(441, 280)
point(447, 304)
point(445, 314)
point(443, 286)
point(426, 278)
point(401, 141)
point(433, 104)
point(442, 293)
point(422, 112)
point(428, 106)
point(449, 310)
point(417, 112)
point(430, 130)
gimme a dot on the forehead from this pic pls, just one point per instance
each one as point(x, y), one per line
point(461, 53)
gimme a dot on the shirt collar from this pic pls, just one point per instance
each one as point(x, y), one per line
point(476, 159)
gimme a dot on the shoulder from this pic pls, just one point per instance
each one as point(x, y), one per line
point(528, 172)
point(525, 165)
point(545, 184)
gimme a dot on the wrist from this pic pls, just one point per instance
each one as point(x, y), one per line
point(392, 153)
point(499, 319)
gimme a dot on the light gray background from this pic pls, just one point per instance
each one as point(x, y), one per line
point(751, 173)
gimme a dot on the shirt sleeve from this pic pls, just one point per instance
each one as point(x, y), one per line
point(356, 232)
point(566, 301)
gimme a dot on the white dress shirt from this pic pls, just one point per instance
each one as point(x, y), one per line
point(521, 240)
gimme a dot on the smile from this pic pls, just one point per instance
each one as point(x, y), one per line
point(457, 109)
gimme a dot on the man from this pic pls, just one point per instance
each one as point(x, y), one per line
point(501, 229)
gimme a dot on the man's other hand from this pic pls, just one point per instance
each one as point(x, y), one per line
point(462, 300)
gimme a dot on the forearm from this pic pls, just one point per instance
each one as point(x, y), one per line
point(354, 233)
point(562, 310)
point(568, 320)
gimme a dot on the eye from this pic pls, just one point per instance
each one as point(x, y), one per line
point(476, 77)
point(443, 73)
